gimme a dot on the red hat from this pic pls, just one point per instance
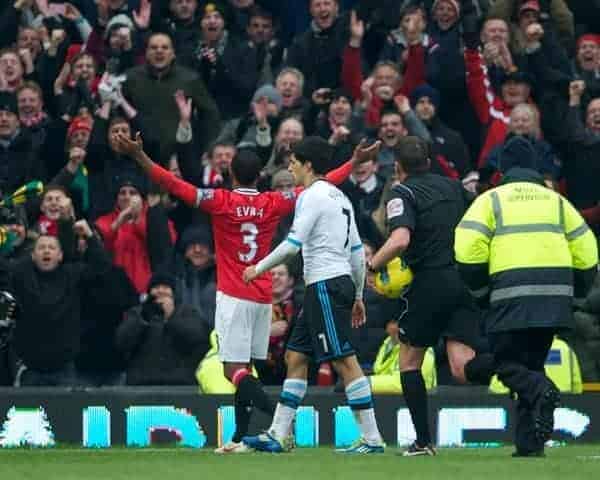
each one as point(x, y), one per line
point(73, 50)
point(530, 5)
point(588, 37)
point(79, 123)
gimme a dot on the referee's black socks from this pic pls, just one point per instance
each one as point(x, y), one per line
point(415, 395)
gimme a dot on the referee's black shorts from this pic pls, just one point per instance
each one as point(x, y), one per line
point(324, 328)
point(438, 305)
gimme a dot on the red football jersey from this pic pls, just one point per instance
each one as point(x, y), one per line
point(244, 223)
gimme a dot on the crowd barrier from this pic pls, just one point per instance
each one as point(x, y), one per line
point(143, 417)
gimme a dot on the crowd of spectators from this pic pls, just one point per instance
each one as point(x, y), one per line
point(114, 281)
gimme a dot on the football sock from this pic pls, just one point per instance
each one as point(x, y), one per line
point(243, 411)
point(415, 396)
point(358, 394)
point(251, 391)
point(290, 398)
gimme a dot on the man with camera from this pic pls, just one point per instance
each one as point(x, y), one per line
point(162, 341)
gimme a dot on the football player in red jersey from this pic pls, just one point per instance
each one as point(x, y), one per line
point(244, 223)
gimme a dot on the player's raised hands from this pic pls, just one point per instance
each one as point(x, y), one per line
point(359, 316)
point(365, 152)
point(250, 274)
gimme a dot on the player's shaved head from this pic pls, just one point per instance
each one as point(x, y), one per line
point(246, 167)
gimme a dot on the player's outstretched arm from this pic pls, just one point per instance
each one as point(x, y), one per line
point(175, 186)
point(285, 250)
point(362, 153)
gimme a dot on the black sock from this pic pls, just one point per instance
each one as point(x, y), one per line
point(415, 396)
point(480, 369)
point(243, 411)
point(251, 391)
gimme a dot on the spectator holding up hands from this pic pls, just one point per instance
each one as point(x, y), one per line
point(137, 232)
point(581, 168)
point(48, 289)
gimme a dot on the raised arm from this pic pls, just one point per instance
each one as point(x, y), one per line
point(207, 199)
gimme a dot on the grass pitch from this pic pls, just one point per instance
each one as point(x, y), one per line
point(564, 463)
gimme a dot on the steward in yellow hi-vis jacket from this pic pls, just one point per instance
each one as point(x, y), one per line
point(528, 248)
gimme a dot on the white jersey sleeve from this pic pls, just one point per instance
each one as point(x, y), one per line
point(306, 216)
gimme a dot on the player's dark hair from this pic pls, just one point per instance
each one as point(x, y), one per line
point(246, 167)
point(413, 155)
point(315, 150)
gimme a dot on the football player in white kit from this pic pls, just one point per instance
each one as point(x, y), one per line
point(334, 273)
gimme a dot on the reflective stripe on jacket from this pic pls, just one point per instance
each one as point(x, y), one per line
point(530, 240)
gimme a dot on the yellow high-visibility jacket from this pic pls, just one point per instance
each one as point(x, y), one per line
point(386, 369)
point(210, 373)
point(530, 250)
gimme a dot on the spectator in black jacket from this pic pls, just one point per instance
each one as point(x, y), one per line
point(229, 70)
point(364, 189)
point(49, 291)
point(182, 25)
point(19, 161)
point(317, 53)
point(104, 302)
point(163, 341)
point(449, 155)
point(581, 168)
point(193, 267)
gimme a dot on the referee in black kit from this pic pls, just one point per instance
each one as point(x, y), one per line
point(422, 214)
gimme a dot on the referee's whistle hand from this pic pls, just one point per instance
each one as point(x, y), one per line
point(250, 274)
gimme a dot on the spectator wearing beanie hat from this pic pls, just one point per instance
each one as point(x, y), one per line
point(19, 161)
point(254, 129)
point(193, 268)
point(336, 122)
point(449, 154)
point(445, 13)
point(116, 46)
point(164, 340)
point(79, 131)
point(137, 232)
point(228, 70)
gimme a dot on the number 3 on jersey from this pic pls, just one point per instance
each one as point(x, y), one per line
point(249, 232)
